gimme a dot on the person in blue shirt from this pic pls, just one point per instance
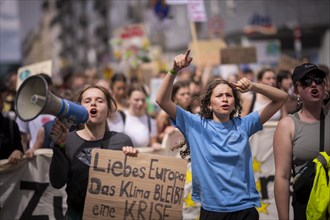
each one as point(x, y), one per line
point(218, 139)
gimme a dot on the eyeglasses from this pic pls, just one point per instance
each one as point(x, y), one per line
point(308, 81)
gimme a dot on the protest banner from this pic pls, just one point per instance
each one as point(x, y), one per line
point(264, 170)
point(25, 191)
point(33, 69)
point(144, 187)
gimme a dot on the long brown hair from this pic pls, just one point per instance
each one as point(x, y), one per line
point(207, 113)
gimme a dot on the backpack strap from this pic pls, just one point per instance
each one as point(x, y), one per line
point(123, 115)
point(149, 124)
point(322, 131)
point(254, 96)
point(322, 160)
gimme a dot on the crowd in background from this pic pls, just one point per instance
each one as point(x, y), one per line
point(137, 115)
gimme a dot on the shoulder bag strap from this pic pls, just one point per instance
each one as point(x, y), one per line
point(254, 96)
point(296, 115)
point(322, 131)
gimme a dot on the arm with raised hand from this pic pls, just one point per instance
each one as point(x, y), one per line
point(278, 97)
point(164, 94)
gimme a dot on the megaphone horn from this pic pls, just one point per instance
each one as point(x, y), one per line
point(33, 98)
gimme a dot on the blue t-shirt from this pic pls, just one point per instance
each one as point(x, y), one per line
point(221, 160)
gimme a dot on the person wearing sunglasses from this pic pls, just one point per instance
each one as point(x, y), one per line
point(297, 137)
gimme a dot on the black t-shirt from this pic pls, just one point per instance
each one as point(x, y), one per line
point(10, 138)
point(71, 166)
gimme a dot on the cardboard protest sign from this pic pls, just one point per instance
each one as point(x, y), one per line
point(144, 187)
point(238, 55)
point(147, 71)
point(33, 69)
point(206, 52)
point(287, 63)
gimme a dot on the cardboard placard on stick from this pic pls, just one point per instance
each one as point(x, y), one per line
point(147, 71)
point(238, 55)
point(144, 187)
point(33, 69)
point(206, 52)
point(287, 63)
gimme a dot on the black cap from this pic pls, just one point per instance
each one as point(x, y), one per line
point(300, 71)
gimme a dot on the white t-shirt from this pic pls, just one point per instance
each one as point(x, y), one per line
point(32, 127)
point(116, 122)
point(259, 104)
point(137, 129)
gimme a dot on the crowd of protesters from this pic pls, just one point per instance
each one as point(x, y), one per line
point(132, 100)
point(132, 112)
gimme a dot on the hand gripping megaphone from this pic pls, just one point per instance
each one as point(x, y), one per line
point(34, 98)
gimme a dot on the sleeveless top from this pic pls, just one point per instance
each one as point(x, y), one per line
point(306, 139)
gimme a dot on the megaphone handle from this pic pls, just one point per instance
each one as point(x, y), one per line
point(51, 143)
point(54, 138)
point(67, 124)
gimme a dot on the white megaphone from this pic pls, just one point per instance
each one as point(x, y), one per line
point(33, 98)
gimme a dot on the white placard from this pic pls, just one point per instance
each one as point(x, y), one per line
point(33, 69)
point(196, 11)
point(176, 2)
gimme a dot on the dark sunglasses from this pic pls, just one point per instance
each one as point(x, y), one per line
point(308, 81)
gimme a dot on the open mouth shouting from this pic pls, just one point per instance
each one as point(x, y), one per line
point(93, 112)
point(315, 93)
